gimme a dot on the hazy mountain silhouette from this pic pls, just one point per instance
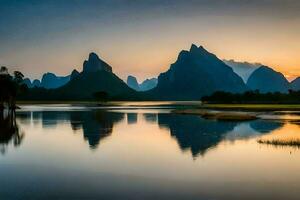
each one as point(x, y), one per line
point(266, 80)
point(50, 80)
point(27, 82)
point(132, 83)
point(243, 69)
point(295, 84)
point(146, 85)
point(36, 83)
point(197, 73)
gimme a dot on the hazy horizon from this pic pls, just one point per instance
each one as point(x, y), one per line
point(142, 38)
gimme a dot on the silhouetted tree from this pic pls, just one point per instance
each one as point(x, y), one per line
point(3, 70)
point(10, 86)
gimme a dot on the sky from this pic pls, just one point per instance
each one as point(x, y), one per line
point(143, 37)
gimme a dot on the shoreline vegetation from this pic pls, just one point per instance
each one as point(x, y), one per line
point(252, 107)
point(253, 97)
point(280, 143)
point(224, 116)
point(197, 105)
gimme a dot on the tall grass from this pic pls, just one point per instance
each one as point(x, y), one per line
point(277, 142)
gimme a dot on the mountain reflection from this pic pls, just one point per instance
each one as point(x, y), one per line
point(132, 118)
point(95, 125)
point(195, 133)
point(191, 132)
point(150, 117)
point(264, 126)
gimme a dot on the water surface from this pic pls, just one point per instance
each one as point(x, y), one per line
point(69, 152)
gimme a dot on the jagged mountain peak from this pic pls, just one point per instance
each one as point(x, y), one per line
point(94, 63)
point(195, 73)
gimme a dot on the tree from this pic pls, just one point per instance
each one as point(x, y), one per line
point(9, 88)
point(18, 77)
point(3, 70)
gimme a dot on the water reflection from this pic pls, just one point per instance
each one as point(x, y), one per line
point(132, 118)
point(150, 117)
point(141, 154)
point(195, 133)
point(265, 126)
point(192, 133)
point(9, 132)
point(95, 125)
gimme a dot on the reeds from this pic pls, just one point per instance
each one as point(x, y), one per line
point(277, 142)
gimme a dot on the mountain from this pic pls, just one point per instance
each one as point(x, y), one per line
point(132, 83)
point(50, 80)
point(27, 82)
point(243, 69)
point(94, 63)
point(194, 74)
point(266, 80)
point(93, 79)
point(146, 85)
point(36, 83)
point(74, 74)
point(295, 84)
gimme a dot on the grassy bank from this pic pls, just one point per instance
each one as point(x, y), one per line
point(292, 143)
point(222, 116)
point(253, 107)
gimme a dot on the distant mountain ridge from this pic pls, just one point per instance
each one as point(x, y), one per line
point(133, 83)
point(50, 80)
point(197, 73)
point(96, 76)
point(265, 79)
point(243, 69)
point(295, 84)
point(146, 85)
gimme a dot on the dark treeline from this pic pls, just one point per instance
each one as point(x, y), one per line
point(60, 94)
point(292, 97)
point(11, 86)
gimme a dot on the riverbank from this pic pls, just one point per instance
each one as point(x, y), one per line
point(218, 115)
point(253, 107)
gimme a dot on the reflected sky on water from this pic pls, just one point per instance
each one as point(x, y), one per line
point(144, 154)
